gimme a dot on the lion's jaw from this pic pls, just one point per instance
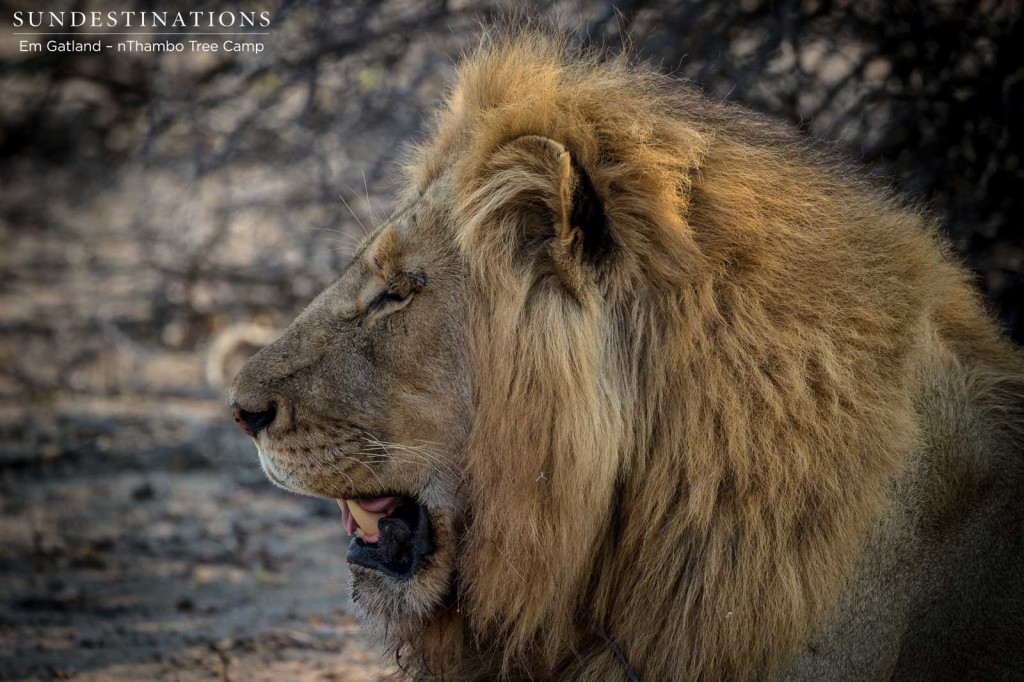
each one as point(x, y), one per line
point(403, 570)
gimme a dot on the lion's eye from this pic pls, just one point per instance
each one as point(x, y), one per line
point(388, 298)
point(385, 303)
point(398, 292)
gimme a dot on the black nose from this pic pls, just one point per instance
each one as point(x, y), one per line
point(253, 422)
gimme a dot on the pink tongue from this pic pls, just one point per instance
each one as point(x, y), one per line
point(346, 519)
point(375, 505)
point(379, 504)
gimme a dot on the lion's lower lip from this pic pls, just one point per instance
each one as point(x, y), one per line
point(404, 539)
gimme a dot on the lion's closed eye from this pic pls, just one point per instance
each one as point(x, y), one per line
point(385, 303)
point(390, 301)
point(398, 294)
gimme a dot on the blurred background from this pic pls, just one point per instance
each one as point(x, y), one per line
point(164, 215)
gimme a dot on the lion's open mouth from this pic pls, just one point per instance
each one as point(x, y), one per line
point(390, 534)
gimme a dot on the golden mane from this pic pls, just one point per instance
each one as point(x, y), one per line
point(702, 439)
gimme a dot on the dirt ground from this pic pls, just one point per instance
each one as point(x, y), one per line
point(129, 560)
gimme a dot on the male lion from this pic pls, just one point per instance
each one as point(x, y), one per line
point(637, 385)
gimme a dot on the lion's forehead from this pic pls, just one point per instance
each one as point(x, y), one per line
point(425, 212)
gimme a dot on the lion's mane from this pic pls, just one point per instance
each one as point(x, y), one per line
point(687, 455)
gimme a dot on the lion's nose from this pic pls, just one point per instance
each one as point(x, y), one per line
point(253, 422)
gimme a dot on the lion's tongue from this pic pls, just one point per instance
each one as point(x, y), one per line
point(364, 515)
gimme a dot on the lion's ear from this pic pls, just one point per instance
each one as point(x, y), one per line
point(571, 221)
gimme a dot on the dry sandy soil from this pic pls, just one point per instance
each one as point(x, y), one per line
point(124, 559)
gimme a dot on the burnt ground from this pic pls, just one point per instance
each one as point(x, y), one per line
point(130, 559)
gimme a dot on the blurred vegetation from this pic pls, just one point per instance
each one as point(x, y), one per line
point(154, 202)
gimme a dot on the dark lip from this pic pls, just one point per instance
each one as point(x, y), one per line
point(406, 541)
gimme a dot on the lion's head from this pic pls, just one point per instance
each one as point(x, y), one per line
point(612, 380)
point(368, 397)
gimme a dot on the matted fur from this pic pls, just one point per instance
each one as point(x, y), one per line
point(692, 441)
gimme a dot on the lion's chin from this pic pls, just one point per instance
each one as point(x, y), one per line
point(400, 580)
